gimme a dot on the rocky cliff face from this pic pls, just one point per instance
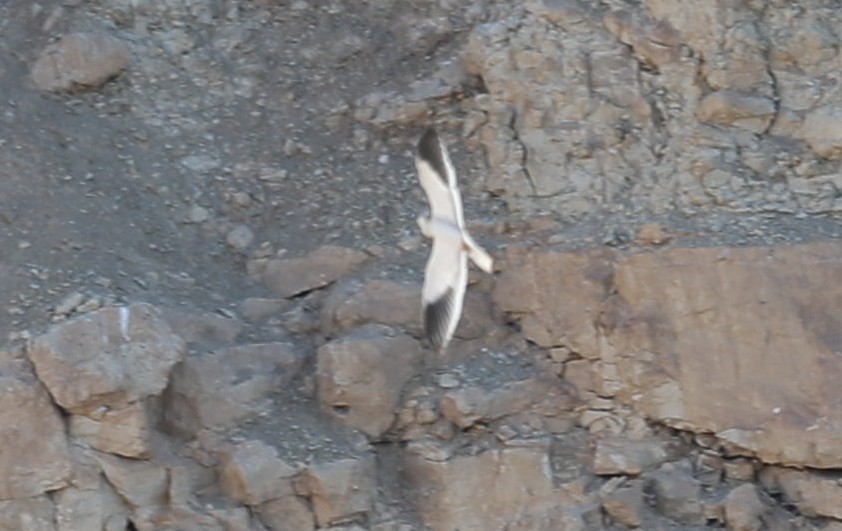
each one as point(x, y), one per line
point(211, 277)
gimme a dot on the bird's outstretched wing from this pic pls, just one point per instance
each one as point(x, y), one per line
point(446, 275)
point(445, 281)
point(438, 179)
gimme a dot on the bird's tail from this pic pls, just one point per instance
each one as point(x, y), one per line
point(478, 255)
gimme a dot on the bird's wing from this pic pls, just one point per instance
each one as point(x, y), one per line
point(445, 280)
point(438, 178)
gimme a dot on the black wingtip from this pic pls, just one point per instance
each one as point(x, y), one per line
point(436, 318)
point(431, 151)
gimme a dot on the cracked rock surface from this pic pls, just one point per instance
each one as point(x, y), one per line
point(210, 270)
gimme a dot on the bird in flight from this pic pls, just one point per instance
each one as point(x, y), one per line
point(446, 275)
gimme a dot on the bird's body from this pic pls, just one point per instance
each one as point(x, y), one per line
point(446, 274)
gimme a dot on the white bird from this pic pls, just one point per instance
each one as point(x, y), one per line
point(446, 275)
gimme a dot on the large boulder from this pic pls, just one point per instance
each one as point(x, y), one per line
point(741, 342)
point(108, 358)
point(360, 376)
point(35, 456)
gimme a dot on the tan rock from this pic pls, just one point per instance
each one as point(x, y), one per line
point(653, 234)
point(618, 455)
point(563, 312)
point(205, 327)
point(79, 60)
point(706, 330)
point(108, 358)
point(510, 488)
point(822, 130)
point(28, 514)
point(289, 277)
point(625, 503)
point(744, 509)
point(252, 473)
point(35, 456)
point(355, 303)
point(123, 431)
point(142, 484)
point(813, 493)
point(290, 513)
point(340, 491)
point(360, 376)
point(468, 405)
point(754, 113)
point(216, 389)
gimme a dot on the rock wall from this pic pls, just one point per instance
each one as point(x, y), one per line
point(656, 379)
point(658, 105)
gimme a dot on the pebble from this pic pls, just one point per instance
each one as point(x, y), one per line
point(198, 214)
point(240, 237)
point(448, 381)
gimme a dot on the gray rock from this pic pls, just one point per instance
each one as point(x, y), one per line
point(35, 456)
point(28, 514)
point(79, 60)
point(219, 388)
point(196, 327)
point(677, 494)
point(240, 237)
point(108, 358)
point(90, 508)
point(360, 376)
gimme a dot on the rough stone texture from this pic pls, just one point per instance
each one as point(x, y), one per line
point(289, 513)
point(95, 508)
point(618, 455)
point(341, 490)
point(79, 60)
point(744, 509)
point(466, 406)
point(677, 494)
point(109, 358)
point(672, 336)
point(202, 327)
point(510, 488)
point(288, 277)
point(718, 358)
point(35, 456)
point(625, 503)
point(29, 514)
point(124, 431)
point(823, 131)
point(813, 493)
point(252, 473)
point(142, 484)
point(559, 313)
point(754, 113)
point(592, 107)
point(360, 376)
point(387, 302)
point(219, 388)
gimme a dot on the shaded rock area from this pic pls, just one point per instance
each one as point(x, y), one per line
point(211, 274)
